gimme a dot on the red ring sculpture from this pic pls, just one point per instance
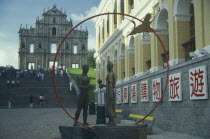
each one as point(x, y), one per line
point(53, 69)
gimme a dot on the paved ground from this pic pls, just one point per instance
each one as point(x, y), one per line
point(43, 124)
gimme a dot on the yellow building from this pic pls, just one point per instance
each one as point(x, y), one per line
point(182, 25)
point(139, 60)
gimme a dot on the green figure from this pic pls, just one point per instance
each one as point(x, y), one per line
point(110, 94)
point(84, 85)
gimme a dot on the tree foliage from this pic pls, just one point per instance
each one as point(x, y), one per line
point(91, 60)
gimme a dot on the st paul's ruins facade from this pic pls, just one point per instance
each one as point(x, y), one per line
point(37, 46)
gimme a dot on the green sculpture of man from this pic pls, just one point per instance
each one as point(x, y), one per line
point(84, 85)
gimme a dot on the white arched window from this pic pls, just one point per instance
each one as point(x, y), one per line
point(53, 48)
point(75, 50)
point(32, 48)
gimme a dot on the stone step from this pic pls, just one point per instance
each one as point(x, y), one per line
point(31, 86)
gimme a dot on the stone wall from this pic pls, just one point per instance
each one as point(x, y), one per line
point(186, 116)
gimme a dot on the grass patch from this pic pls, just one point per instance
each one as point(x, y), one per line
point(92, 74)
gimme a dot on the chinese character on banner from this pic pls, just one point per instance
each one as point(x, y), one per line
point(175, 90)
point(156, 89)
point(134, 93)
point(125, 94)
point(144, 91)
point(198, 83)
point(118, 96)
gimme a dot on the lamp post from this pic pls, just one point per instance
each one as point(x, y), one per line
point(100, 108)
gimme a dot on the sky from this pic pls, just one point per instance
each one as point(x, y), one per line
point(16, 12)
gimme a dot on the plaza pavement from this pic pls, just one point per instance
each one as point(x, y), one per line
point(42, 123)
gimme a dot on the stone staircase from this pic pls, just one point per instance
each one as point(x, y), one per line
point(31, 86)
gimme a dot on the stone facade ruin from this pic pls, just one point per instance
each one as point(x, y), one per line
point(37, 46)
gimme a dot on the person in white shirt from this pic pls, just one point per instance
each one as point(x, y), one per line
point(40, 100)
point(8, 83)
point(56, 71)
point(70, 86)
point(61, 72)
point(42, 76)
point(13, 83)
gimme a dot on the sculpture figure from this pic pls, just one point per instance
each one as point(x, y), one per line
point(110, 94)
point(84, 86)
point(144, 27)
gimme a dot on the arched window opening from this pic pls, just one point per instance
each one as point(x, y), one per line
point(32, 48)
point(115, 15)
point(131, 53)
point(122, 9)
point(115, 55)
point(23, 45)
point(107, 25)
point(190, 46)
point(122, 61)
point(103, 30)
point(148, 64)
point(103, 65)
point(123, 74)
point(83, 47)
point(131, 44)
point(99, 37)
point(162, 25)
point(192, 22)
point(67, 46)
point(75, 50)
point(53, 48)
point(133, 70)
point(99, 67)
point(108, 59)
point(122, 51)
point(54, 20)
point(54, 31)
point(40, 45)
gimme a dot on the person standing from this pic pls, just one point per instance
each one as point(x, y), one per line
point(84, 86)
point(70, 85)
point(61, 72)
point(42, 76)
point(10, 102)
point(37, 75)
point(40, 100)
point(8, 83)
point(43, 99)
point(13, 83)
point(31, 102)
point(18, 82)
point(56, 71)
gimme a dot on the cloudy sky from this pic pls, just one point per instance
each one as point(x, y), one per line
point(16, 12)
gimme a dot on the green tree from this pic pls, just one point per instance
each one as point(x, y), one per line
point(91, 60)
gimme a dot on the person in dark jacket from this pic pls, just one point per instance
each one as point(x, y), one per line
point(31, 102)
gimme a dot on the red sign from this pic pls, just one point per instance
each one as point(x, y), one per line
point(156, 89)
point(144, 91)
point(198, 83)
point(125, 94)
point(175, 87)
point(134, 93)
point(118, 96)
